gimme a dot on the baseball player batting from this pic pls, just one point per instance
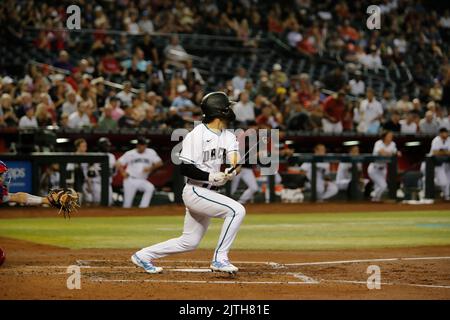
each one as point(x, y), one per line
point(204, 150)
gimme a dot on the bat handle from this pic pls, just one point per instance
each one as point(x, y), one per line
point(232, 170)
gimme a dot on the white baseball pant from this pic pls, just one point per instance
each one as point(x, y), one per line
point(442, 179)
point(131, 185)
point(201, 205)
point(378, 177)
point(249, 178)
point(326, 189)
point(96, 194)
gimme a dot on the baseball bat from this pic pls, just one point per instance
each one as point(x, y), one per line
point(243, 158)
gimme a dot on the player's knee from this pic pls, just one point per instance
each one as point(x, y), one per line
point(254, 188)
point(189, 244)
point(239, 210)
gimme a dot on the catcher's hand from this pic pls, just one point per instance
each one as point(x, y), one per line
point(66, 200)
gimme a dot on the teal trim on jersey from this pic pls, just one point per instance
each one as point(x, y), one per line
point(186, 159)
point(229, 225)
point(212, 131)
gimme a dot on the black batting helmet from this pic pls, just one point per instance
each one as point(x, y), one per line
point(217, 105)
point(104, 144)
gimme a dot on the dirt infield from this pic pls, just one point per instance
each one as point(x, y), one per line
point(34, 271)
point(260, 208)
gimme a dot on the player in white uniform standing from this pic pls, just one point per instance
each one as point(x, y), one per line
point(324, 187)
point(377, 170)
point(344, 172)
point(140, 163)
point(204, 149)
point(440, 146)
point(246, 174)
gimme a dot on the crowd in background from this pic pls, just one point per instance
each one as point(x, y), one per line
point(171, 87)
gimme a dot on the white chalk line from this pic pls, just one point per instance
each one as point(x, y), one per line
point(363, 260)
point(389, 283)
point(202, 281)
point(271, 263)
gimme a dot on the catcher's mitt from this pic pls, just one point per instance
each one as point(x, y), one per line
point(66, 200)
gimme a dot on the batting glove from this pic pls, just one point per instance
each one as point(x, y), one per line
point(217, 178)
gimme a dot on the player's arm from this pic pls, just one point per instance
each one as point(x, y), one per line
point(233, 158)
point(121, 164)
point(27, 199)
point(153, 167)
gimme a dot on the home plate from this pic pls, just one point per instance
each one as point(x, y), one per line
point(190, 270)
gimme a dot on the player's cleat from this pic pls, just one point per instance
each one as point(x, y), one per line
point(147, 266)
point(223, 266)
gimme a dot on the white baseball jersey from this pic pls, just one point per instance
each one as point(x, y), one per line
point(97, 169)
point(344, 171)
point(323, 168)
point(437, 144)
point(206, 149)
point(136, 162)
point(379, 145)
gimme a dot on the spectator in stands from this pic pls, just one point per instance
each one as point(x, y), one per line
point(369, 114)
point(43, 118)
point(24, 101)
point(333, 113)
point(183, 103)
point(79, 118)
point(174, 52)
point(278, 77)
point(239, 79)
point(149, 48)
point(404, 105)
point(9, 117)
point(435, 92)
point(408, 125)
point(335, 80)
point(388, 102)
point(265, 86)
point(71, 103)
point(145, 24)
point(270, 117)
point(357, 85)
point(109, 65)
point(244, 109)
point(150, 121)
point(128, 120)
point(28, 120)
point(429, 124)
point(63, 61)
point(393, 124)
point(106, 120)
point(174, 120)
point(116, 112)
point(64, 121)
point(372, 60)
point(126, 96)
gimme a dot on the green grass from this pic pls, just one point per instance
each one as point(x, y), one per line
point(276, 232)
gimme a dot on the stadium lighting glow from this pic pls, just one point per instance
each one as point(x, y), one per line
point(289, 142)
point(134, 141)
point(351, 143)
point(413, 144)
point(62, 140)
